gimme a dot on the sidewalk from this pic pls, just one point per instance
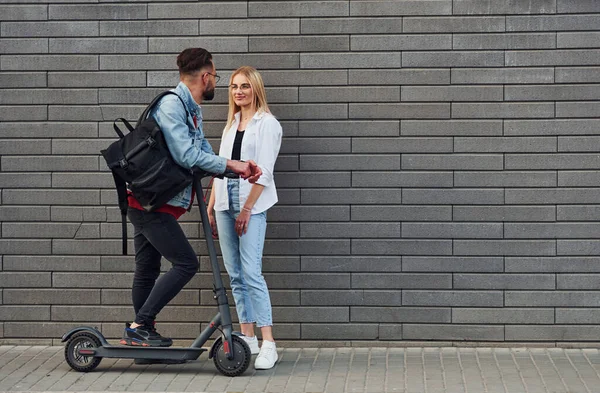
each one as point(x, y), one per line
point(407, 370)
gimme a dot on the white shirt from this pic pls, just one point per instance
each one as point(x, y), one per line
point(261, 143)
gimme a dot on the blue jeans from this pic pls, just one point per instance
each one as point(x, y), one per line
point(243, 260)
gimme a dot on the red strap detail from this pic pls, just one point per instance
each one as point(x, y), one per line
point(195, 121)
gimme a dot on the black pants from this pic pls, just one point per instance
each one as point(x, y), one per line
point(156, 235)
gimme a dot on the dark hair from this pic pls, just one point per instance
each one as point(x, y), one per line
point(191, 60)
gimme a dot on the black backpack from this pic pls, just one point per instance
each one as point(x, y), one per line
point(141, 162)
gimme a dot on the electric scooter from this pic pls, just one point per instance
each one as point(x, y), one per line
point(86, 346)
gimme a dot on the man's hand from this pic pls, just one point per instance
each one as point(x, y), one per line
point(256, 172)
point(247, 170)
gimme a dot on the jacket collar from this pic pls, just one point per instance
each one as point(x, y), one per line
point(185, 94)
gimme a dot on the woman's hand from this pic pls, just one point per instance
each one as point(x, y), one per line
point(241, 223)
point(213, 223)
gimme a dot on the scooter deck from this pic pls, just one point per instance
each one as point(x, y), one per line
point(126, 352)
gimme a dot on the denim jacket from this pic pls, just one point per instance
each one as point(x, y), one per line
point(185, 140)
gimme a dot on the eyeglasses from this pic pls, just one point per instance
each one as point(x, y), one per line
point(217, 77)
point(243, 86)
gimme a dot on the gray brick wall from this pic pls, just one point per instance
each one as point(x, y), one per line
point(439, 176)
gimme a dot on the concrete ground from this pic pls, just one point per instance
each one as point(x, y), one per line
point(407, 370)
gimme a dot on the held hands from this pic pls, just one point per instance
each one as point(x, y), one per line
point(248, 170)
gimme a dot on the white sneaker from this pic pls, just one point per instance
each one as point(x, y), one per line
point(267, 357)
point(252, 343)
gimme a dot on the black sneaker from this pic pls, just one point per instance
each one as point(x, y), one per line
point(158, 361)
point(144, 336)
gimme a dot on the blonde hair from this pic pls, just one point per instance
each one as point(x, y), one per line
point(258, 87)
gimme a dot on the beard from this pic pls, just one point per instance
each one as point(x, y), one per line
point(209, 94)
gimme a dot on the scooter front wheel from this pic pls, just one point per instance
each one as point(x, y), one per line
point(240, 361)
point(76, 360)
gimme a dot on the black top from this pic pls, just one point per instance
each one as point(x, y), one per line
point(237, 145)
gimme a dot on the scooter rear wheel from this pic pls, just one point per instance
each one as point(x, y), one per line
point(78, 362)
point(240, 361)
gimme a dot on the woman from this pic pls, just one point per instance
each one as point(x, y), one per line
point(251, 133)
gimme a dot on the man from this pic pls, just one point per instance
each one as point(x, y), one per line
point(157, 234)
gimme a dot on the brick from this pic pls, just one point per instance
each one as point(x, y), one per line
point(264, 9)
point(551, 264)
point(350, 264)
point(577, 281)
point(29, 112)
point(559, 57)
point(408, 76)
point(401, 213)
point(350, 94)
point(23, 45)
point(505, 247)
point(49, 163)
point(97, 11)
point(351, 298)
point(25, 313)
point(551, 231)
point(45, 129)
point(576, 316)
point(452, 161)
point(401, 247)
point(450, 127)
point(452, 264)
point(348, 162)
point(79, 113)
point(123, 297)
point(577, 74)
point(149, 28)
point(578, 144)
point(50, 29)
point(349, 230)
point(50, 197)
point(39, 230)
point(503, 281)
point(551, 298)
point(96, 79)
point(308, 280)
point(358, 25)
point(479, 7)
point(311, 314)
point(578, 213)
point(452, 93)
point(22, 79)
point(452, 230)
point(313, 196)
point(504, 144)
point(554, 93)
point(545, 196)
point(552, 23)
point(441, 298)
point(399, 111)
point(24, 280)
point(453, 24)
point(23, 12)
point(390, 332)
point(350, 60)
point(577, 247)
point(119, 263)
point(249, 27)
point(16, 146)
point(304, 77)
point(48, 62)
point(307, 247)
point(24, 213)
point(204, 10)
point(565, 6)
point(348, 128)
point(98, 45)
point(32, 180)
point(401, 42)
point(309, 112)
point(550, 333)
point(127, 95)
point(503, 315)
point(504, 179)
point(504, 41)
point(51, 263)
point(502, 75)
point(502, 110)
point(86, 280)
point(431, 196)
point(453, 59)
point(48, 96)
point(401, 7)
point(402, 179)
point(552, 127)
point(401, 281)
point(552, 161)
point(577, 40)
point(52, 296)
point(399, 315)
point(212, 44)
point(37, 329)
point(314, 179)
point(337, 332)
point(577, 109)
point(503, 213)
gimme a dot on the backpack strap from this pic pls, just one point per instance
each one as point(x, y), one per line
point(122, 195)
point(156, 99)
